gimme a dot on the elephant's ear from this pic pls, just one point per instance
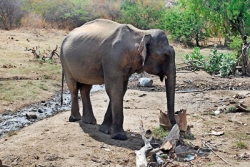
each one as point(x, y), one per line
point(143, 47)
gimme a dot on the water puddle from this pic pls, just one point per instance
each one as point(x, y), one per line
point(14, 121)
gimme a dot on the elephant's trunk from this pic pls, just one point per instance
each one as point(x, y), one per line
point(170, 82)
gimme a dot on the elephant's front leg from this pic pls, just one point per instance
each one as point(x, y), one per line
point(87, 115)
point(116, 91)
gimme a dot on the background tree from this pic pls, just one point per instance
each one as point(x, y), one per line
point(223, 18)
point(64, 13)
point(10, 13)
point(109, 9)
point(143, 14)
point(184, 25)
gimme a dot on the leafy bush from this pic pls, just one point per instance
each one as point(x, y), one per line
point(217, 62)
point(63, 13)
point(142, 14)
point(196, 58)
point(227, 65)
point(214, 61)
point(184, 26)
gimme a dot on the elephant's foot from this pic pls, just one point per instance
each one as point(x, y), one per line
point(119, 135)
point(73, 119)
point(105, 128)
point(89, 119)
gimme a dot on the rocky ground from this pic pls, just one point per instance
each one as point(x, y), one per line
point(56, 142)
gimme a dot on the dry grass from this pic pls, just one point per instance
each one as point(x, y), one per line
point(23, 80)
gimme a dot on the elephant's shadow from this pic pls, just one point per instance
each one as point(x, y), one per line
point(134, 141)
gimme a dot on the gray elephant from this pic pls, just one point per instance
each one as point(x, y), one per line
point(106, 52)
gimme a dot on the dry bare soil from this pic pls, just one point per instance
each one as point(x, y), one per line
point(56, 142)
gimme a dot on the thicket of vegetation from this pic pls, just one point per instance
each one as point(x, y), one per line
point(190, 22)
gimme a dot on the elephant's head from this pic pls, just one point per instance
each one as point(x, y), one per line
point(159, 59)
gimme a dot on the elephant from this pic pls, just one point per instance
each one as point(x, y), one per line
point(106, 52)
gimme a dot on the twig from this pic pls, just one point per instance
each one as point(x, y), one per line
point(215, 153)
point(188, 91)
point(53, 53)
point(33, 51)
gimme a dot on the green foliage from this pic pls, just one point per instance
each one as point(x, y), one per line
point(231, 109)
point(217, 62)
point(241, 145)
point(184, 25)
point(196, 58)
point(160, 133)
point(220, 63)
point(142, 14)
point(195, 20)
point(227, 65)
point(76, 12)
point(236, 42)
point(195, 55)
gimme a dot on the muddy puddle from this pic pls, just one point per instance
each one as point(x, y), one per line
point(10, 122)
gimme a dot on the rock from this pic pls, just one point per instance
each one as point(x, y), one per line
point(232, 102)
point(217, 112)
point(145, 82)
point(31, 115)
point(221, 108)
point(40, 110)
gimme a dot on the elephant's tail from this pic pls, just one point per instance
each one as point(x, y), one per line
point(62, 88)
point(61, 55)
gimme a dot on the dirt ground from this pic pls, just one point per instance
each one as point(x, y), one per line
point(55, 142)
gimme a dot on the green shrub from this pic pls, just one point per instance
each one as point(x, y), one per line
point(196, 58)
point(160, 133)
point(217, 62)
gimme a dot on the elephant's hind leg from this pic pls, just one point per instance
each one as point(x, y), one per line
point(87, 116)
point(106, 126)
point(73, 88)
point(75, 114)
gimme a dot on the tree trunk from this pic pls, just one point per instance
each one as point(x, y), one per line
point(197, 39)
point(245, 63)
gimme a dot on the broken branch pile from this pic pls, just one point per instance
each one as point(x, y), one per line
point(42, 58)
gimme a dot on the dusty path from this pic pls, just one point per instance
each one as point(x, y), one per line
point(59, 143)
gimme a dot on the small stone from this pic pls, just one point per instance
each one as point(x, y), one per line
point(31, 115)
point(232, 102)
point(216, 112)
point(40, 110)
point(241, 101)
point(145, 82)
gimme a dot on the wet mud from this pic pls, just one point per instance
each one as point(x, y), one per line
point(10, 122)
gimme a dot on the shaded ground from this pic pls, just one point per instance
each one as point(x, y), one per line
point(56, 142)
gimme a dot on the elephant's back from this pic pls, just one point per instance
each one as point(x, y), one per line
point(99, 29)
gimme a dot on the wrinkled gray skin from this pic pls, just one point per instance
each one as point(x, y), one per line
point(106, 52)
